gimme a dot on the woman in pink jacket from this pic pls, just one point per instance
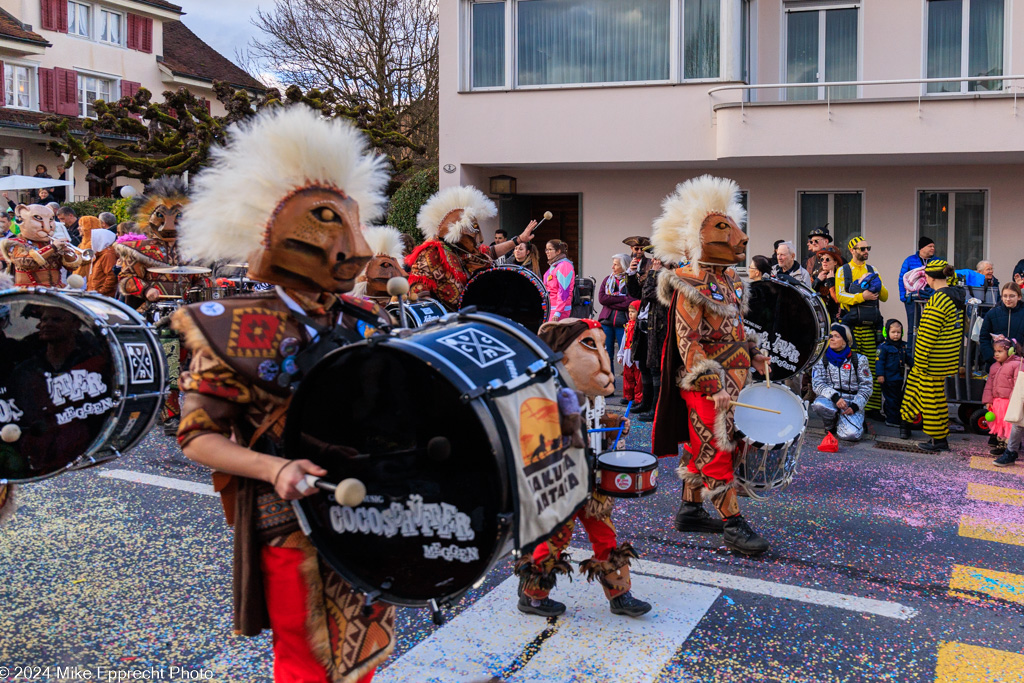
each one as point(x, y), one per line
point(559, 280)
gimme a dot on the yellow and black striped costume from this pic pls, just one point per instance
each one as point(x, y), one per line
point(937, 344)
point(865, 337)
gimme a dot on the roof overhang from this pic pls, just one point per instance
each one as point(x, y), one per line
point(169, 75)
point(137, 7)
point(23, 47)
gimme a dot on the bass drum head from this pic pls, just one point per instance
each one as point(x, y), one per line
point(510, 291)
point(430, 526)
point(762, 427)
point(792, 324)
point(58, 384)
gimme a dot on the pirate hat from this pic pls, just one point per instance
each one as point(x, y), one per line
point(637, 241)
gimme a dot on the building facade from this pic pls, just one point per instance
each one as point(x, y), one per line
point(913, 122)
point(60, 56)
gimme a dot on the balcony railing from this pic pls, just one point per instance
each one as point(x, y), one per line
point(894, 81)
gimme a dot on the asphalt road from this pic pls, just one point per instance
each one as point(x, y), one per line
point(884, 566)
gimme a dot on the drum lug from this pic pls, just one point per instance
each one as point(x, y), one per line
point(371, 597)
point(436, 614)
point(505, 521)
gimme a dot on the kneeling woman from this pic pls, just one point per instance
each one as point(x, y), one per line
point(842, 383)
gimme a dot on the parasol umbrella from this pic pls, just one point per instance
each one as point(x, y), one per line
point(24, 182)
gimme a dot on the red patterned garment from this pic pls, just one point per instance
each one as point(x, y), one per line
point(137, 257)
point(439, 272)
point(35, 263)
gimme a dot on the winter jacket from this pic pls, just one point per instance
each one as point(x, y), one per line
point(1001, 378)
point(850, 381)
point(1008, 322)
point(909, 263)
point(892, 359)
point(102, 278)
point(614, 307)
point(940, 333)
point(559, 281)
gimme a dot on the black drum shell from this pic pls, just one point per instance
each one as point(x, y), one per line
point(796, 315)
point(511, 291)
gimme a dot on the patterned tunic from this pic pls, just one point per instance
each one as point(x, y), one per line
point(21, 254)
point(439, 272)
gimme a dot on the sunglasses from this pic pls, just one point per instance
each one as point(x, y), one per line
point(863, 248)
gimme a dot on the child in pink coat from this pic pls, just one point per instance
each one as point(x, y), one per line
point(999, 387)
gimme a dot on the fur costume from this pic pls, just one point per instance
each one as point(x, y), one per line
point(32, 259)
point(707, 349)
point(283, 190)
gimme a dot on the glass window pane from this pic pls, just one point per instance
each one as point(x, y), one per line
point(701, 39)
point(115, 28)
point(72, 18)
point(846, 217)
point(9, 89)
point(802, 54)
point(813, 213)
point(985, 43)
point(841, 50)
point(592, 41)
point(945, 26)
point(933, 220)
point(488, 44)
point(969, 229)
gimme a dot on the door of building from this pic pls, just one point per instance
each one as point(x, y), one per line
point(516, 212)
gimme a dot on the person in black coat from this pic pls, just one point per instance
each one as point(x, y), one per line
point(892, 360)
point(1006, 318)
point(657, 329)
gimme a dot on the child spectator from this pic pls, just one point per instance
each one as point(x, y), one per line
point(892, 360)
point(632, 382)
point(998, 389)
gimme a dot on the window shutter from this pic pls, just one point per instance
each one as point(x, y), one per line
point(3, 86)
point(48, 90)
point(54, 15)
point(131, 35)
point(205, 102)
point(129, 88)
point(67, 92)
point(62, 16)
point(146, 35)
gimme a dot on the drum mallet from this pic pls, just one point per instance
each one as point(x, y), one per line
point(737, 404)
point(547, 216)
point(399, 287)
point(348, 492)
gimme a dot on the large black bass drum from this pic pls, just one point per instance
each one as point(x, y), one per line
point(452, 428)
point(417, 313)
point(792, 324)
point(510, 291)
point(82, 379)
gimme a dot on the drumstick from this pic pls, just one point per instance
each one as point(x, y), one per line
point(349, 492)
point(768, 373)
point(737, 404)
point(547, 216)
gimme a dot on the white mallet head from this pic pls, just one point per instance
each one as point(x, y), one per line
point(76, 281)
point(10, 433)
point(350, 492)
point(548, 215)
point(398, 286)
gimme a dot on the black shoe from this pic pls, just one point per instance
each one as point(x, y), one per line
point(628, 606)
point(624, 401)
point(935, 445)
point(546, 607)
point(1008, 458)
point(993, 440)
point(740, 538)
point(692, 517)
point(171, 427)
point(998, 450)
point(874, 414)
point(905, 432)
point(646, 417)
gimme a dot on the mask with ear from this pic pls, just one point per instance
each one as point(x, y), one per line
point(37, 222)
point(584, 356)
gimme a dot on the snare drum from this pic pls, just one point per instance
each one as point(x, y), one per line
point(627, 474)
point(771, 442)
point(510, 291)
point(792, 324)
point(81, 375)
point(417, 313)
point(163, 308)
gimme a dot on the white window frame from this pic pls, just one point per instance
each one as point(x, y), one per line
point(791, 6)
point(729, 32)
point(798, 238)
point(98, 25)
point(951, 227)
point(33, 84)
point(115, 90)
point(965, 37)
point(91, 23)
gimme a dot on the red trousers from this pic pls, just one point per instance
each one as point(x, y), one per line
point(601, 533)
point(632, 384)
point(285, 591)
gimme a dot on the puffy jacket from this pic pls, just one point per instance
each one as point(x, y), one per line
point(892, 359)
point(850, 381)
point(1008, 322)
point(909, 263)
point(614, 307)
point(559, 280)
point(1001, 378)
point(940, 333)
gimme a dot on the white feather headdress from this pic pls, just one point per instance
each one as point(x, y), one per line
point(385, 240)
point(676, 235)
point(474, 204)
point(266, 158)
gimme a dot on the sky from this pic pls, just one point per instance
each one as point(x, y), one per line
point(223, 24)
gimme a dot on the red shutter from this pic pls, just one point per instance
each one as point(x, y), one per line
point(48, 90)
point(132, 35)
point(3, 85)
point(54, 15)
point(146, 35)
point(67, 92)
point(205, 102)
point(62, 16)
point(129, 88)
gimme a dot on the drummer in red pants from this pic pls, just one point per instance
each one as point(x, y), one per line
point(582, 344)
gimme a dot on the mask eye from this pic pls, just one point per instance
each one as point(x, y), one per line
point(326, 215)
point(589, 343)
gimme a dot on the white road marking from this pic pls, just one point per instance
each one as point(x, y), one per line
point(882, 608)
point(588, 643)
point(164, 482)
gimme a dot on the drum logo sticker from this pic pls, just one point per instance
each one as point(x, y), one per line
point(211, 308)
point(140, 361)
point(623, 481)
point(479, 347)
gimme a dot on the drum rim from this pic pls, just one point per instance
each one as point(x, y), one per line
point(120, 371)
point(630, 494)
point(759, 444)
point(536, 280)
point(599, 467)
point(820, 313)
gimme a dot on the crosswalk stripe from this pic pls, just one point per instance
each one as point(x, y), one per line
point(962, 663)
point(981, 462)
point(991, 530)
point(1002, 585)
point(163, 482)
point(995, 494)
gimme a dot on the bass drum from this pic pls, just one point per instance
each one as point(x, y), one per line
point(413, 416)
point(417, 313)
point(510, 291)
point(792, 324)
point(82, 380)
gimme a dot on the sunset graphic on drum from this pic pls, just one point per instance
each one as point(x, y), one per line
point(540, 434)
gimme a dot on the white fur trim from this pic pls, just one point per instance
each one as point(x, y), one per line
point(676, 233)
point(279, 151)
point(711, 494)
point(688, 477)
point(385, 240)
point(474, 204)
point(687, 379)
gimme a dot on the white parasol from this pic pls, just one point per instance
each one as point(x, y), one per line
point(24, 182)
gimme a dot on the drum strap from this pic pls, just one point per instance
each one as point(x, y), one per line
point(269, 421)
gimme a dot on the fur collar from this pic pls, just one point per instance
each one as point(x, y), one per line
point(696, 291)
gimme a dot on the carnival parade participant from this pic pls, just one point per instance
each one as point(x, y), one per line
point(841, 380)
point(707, 353)
point(936, 356)
point(453, 250)
point(286, 195)
point(36, 256)
point(582, 343)
point(859, 289)
point(386, 244)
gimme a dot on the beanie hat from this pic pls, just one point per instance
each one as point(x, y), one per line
point(635, 306)
point(844, 332)
point(854, 242)
point(924, 242)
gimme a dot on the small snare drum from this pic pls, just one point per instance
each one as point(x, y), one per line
point(627, 474)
